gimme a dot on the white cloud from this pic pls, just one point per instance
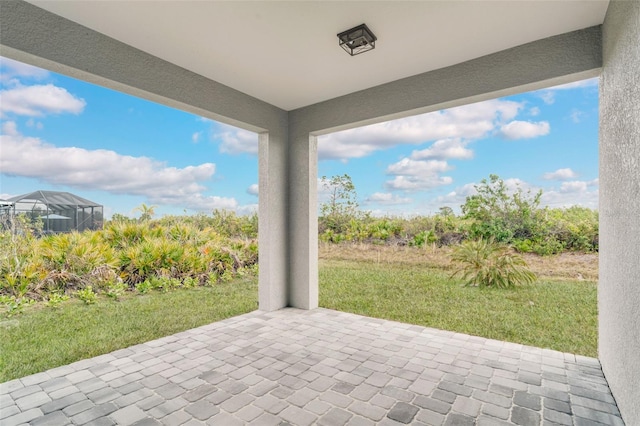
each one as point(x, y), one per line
point(444, 149)
point(513, 184)
point(195, 138)
point(524, 129)
point(417, 183)
point(237, 141)
point(409, 167)
point(108, 171)
point(560, 174)
point(35, 124)
point(583, 193)
point(573, 186)
point(247, 209)
point(548, 95)
point(576, 115)
point(196, 201)
point(578, 185)
point(534, 111)
point(453, 199)
point(12, 69)
point(39, 100)
point(414, 175)
point(253, 189)
point(387, 198)
point(472, 121)
point(9, 128)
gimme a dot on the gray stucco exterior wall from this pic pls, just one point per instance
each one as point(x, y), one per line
point(619, 288)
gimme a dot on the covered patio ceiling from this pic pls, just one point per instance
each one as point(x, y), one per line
point(286, 53)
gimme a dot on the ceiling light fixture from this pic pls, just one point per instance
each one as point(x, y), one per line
point(357, 40)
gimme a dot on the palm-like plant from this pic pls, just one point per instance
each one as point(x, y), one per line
point(485, 263)
point(146, 211)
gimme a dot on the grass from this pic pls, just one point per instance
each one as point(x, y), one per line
point(571, 266)
point(45, 338)
point(402, 284)
point(560, 315)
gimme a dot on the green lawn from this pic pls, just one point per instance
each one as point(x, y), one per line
point(45, 338)
point(557, 315)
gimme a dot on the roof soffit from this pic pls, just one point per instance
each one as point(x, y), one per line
point(286, 53)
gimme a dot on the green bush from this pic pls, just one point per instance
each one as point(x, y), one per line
point(501, 214)
point(423, 238)
point(56, 299)
point(15, 305)
point(144, 287)
point(496, 211)
point(87, 295)
point(485, 263)
point(116, 289)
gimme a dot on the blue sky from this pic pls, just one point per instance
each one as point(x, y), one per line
point(63, 134)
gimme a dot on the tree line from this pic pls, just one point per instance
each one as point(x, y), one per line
point(512, 217)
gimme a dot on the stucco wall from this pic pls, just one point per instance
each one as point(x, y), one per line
point(619, 290)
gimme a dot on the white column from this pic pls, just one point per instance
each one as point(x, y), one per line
point(303, 220)
point(273, 250)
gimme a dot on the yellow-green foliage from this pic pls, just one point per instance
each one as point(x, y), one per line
point(125, 253)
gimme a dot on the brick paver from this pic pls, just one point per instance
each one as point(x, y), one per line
point(316, 367)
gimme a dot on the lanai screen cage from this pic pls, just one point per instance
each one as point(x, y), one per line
point(58, 211)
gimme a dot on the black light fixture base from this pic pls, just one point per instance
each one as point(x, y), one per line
point(357, 40)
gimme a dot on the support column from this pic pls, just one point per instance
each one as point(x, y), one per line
point(303, 220)
point(619, 283)
point(272, 221)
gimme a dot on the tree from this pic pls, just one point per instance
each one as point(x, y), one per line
point(446, 211)
point(147, 212)
point(502, 214)
point(341, 205)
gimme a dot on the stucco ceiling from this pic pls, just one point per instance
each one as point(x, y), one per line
point(286, 53)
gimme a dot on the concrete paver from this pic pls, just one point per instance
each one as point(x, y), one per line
point(316, 367)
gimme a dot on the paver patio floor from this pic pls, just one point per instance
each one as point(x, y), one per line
point(316, 367)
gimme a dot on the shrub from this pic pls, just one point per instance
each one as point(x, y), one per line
point(190, 282)
point(548, 246)
point(15, 305)
point(485, 263)
point(144, 287)
point(87, 295)
point(55, 299)
point(116, 289)
point(423, 238)
point(500, 213)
